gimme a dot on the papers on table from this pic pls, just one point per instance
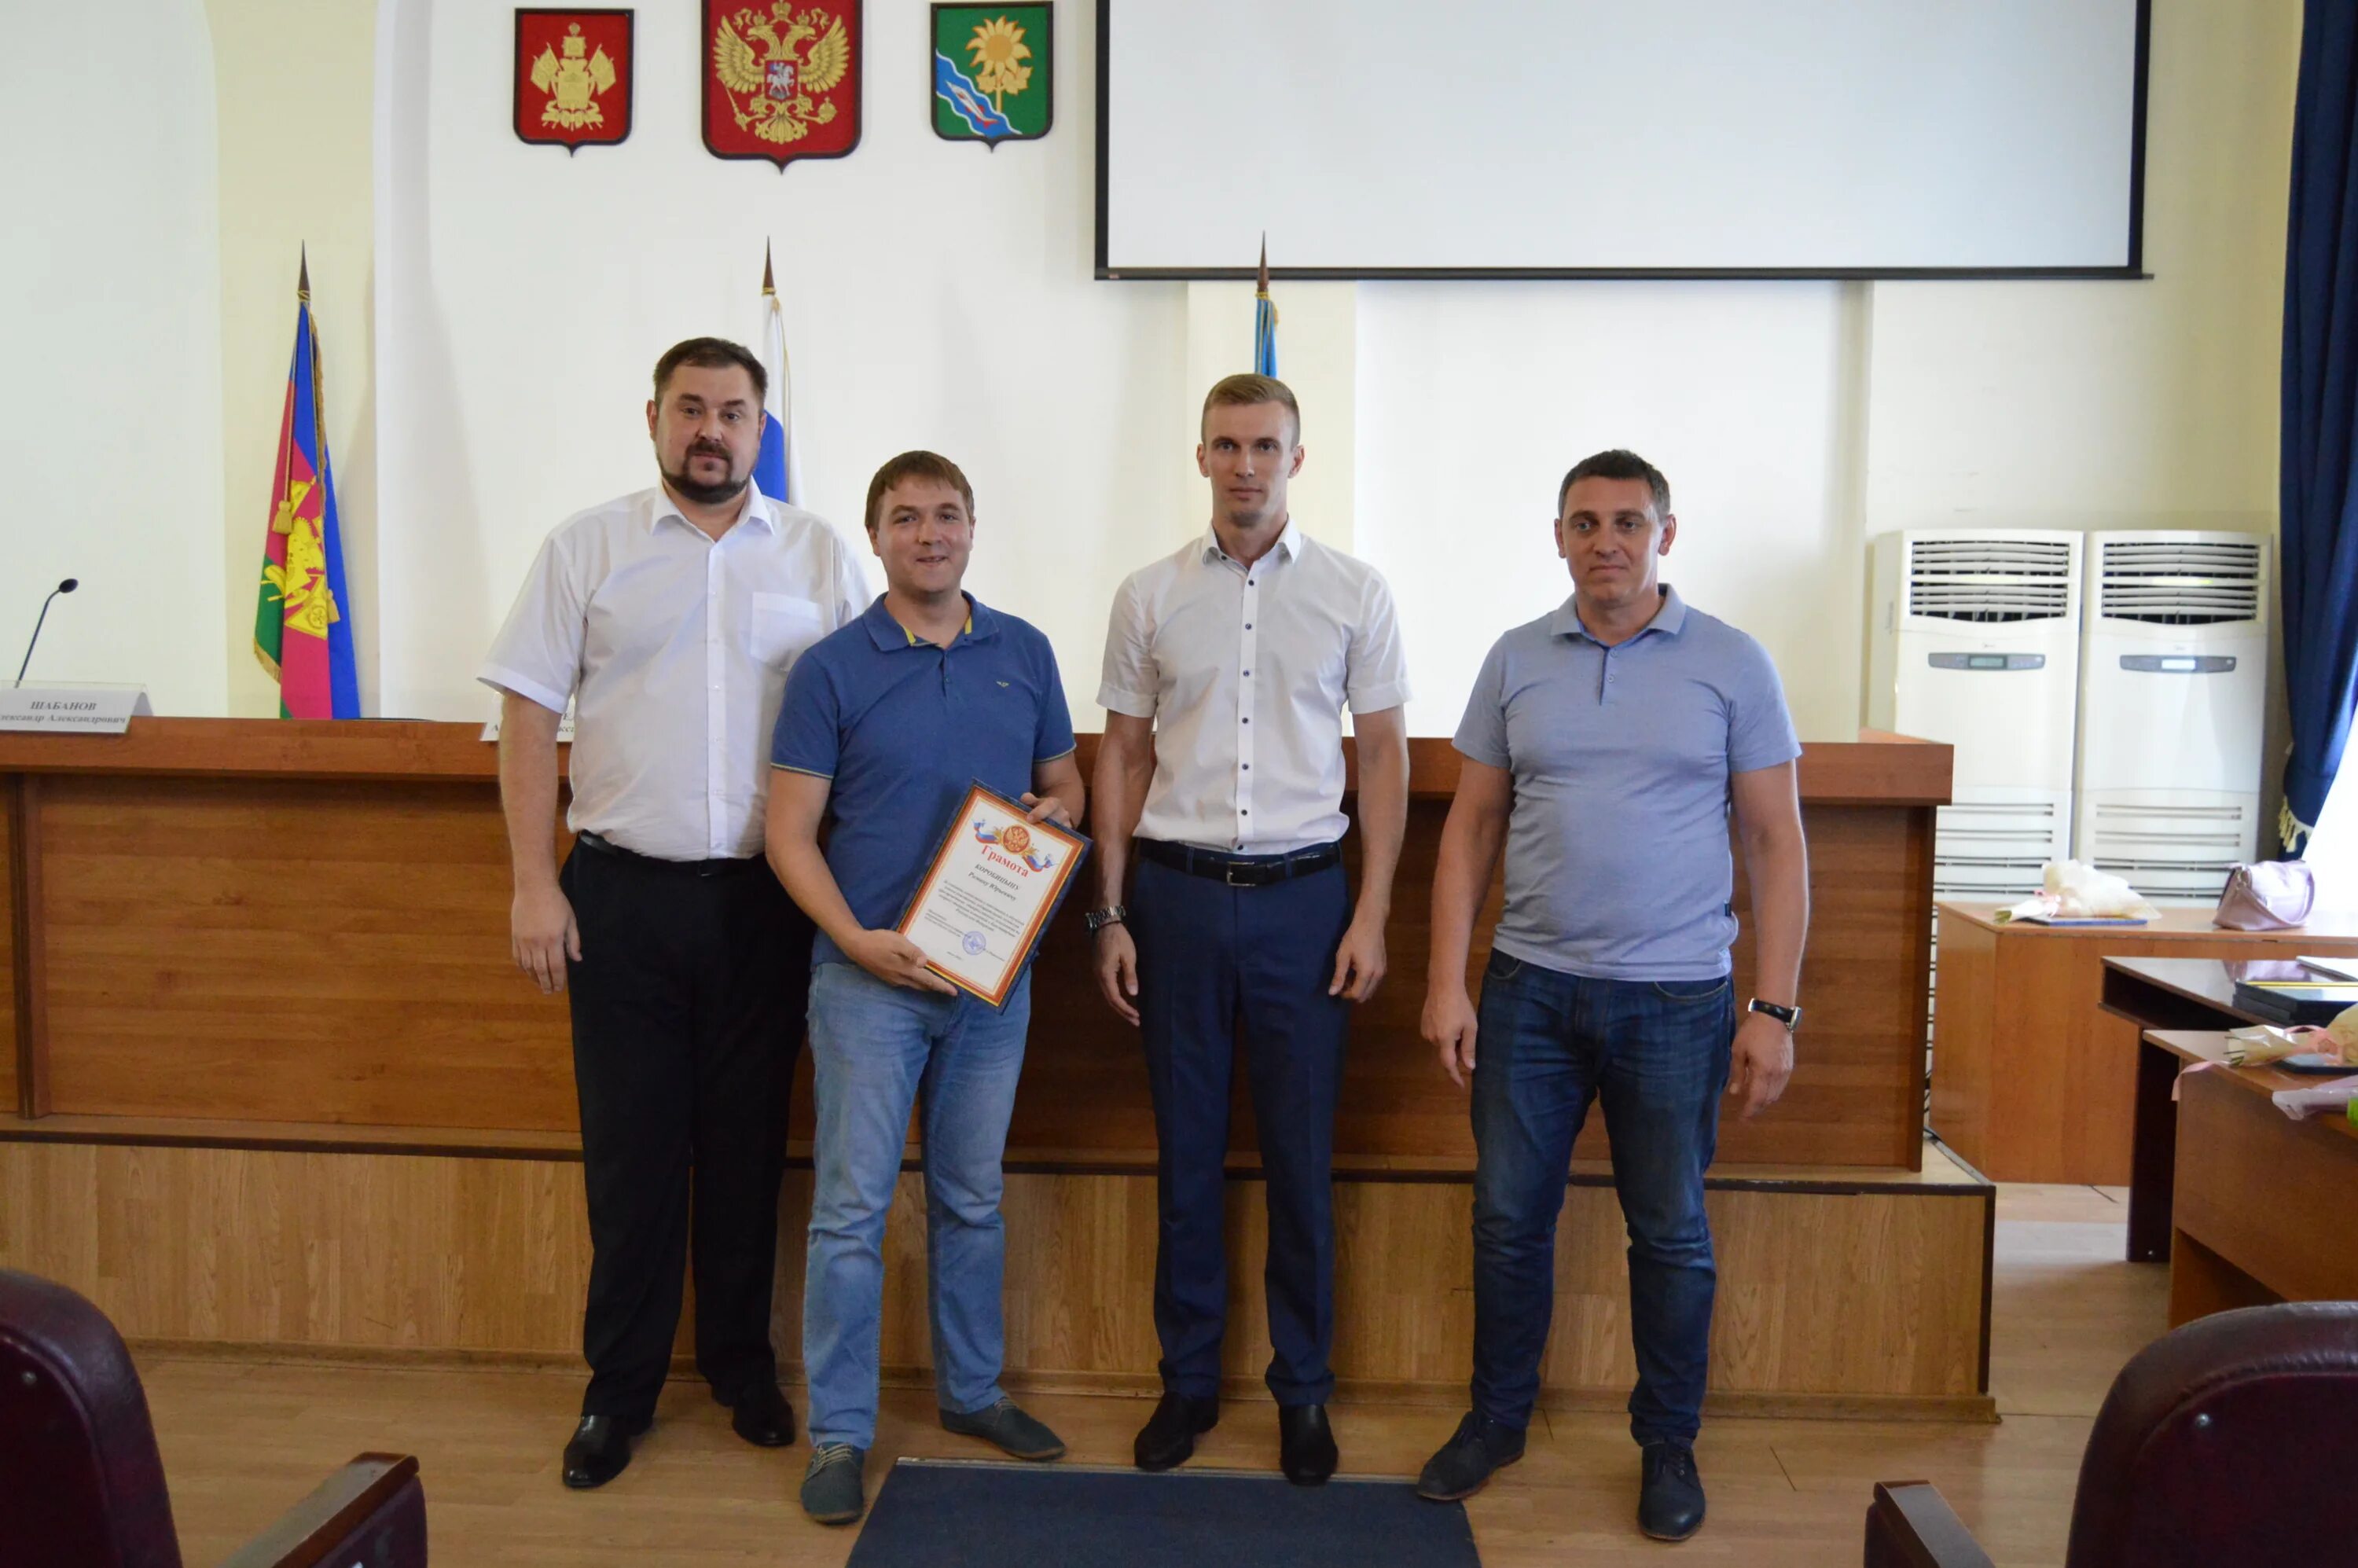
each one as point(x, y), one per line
point(2303, 1103)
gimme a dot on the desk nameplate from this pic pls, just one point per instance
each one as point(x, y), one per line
point(73, 709)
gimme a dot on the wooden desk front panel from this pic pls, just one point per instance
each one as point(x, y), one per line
point(1853, 1098)
point(8, 1091)
point(2271, 1196)
point(2032, 1081)
point(337, 951)
point(290, 951)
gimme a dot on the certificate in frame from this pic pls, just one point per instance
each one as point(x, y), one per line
point(994, 883)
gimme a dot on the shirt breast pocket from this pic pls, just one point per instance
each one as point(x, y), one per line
point(783, 626)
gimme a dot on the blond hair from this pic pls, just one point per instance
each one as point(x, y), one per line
point(1246, 391)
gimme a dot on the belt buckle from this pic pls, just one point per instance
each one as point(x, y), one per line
point(1228, 874)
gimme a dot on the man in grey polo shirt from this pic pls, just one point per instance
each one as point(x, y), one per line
point(1605, 744)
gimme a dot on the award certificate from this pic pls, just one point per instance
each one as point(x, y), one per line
point(986, 898)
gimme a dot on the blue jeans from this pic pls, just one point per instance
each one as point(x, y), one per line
point(876, 1050)
point(1656, 1053)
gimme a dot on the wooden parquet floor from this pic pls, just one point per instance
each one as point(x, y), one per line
point(242, 1440)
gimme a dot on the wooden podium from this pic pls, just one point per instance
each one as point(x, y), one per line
point(277, 1084)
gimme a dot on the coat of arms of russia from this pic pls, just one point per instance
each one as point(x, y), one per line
point(781, 82)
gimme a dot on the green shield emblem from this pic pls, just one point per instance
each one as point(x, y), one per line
point(993, 73)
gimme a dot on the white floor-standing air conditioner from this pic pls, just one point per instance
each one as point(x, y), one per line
point(1975, 641)
point(2173, 693)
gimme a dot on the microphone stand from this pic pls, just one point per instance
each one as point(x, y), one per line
point(66, 587)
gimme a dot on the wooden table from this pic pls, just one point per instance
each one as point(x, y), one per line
point(2032, 1079)
point(2263, 1204)
point(2164, 994)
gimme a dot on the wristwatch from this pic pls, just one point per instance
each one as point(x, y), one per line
point(1097, 920)
point(1791, 1017)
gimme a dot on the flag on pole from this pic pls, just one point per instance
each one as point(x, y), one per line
point(776, 472)
point(1264, 319)
point(302, 618)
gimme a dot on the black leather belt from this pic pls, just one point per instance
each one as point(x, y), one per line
point(721, 868)
point(1239, 870)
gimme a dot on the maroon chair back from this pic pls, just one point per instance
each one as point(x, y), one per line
point(79, 1480)
point(2233, 1440)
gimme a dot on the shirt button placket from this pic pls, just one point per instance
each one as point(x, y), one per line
point(1247, 658)
point(716, 650)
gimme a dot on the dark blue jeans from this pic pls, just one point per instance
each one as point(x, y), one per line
point(1656, 1053)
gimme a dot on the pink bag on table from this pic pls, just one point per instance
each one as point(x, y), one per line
point(2266, 895)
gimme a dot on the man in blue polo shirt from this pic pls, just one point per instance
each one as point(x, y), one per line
point(1605, 744)
point(884, 727)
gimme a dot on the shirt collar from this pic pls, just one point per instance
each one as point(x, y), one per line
point(890, 636)
point(1670, 619)
point(759, 509)
point(1288, 544)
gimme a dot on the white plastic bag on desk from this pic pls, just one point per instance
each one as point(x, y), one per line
point(2076, 890)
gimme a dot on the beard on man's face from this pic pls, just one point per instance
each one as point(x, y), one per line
point(707, 492)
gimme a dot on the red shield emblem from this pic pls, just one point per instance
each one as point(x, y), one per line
point(573, 77)
point(782, 79)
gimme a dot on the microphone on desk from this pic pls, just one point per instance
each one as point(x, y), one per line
point(68, 586)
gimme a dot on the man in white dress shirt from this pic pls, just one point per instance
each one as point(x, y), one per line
point(1227, 668)
point(668, 618)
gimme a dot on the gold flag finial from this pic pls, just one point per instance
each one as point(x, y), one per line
point(1263, 283)
point(768, 285)
point(303, 275)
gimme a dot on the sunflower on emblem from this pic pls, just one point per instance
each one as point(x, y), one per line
point(993, 77)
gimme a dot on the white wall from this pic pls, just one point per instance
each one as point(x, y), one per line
point(110, 410)
point(1476, 398)
point(937, 295)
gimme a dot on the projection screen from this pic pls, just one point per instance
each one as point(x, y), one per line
point(1809, 139)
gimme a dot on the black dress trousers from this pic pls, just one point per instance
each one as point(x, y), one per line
point(689, 1005)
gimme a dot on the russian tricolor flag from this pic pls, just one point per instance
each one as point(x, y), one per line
point(776, 472)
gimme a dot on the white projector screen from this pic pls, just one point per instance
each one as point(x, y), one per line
point(1814, 139)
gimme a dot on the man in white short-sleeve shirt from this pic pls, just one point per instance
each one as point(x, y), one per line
point(668, 620)
point(1227, 665)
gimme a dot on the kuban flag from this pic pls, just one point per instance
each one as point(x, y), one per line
point(302, 618)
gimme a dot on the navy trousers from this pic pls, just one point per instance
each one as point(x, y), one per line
point(1217, 964)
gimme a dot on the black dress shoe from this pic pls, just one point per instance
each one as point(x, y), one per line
point(1169, 1435)
point(600, 1450)
point(1305, 1444)
point(763, 1418)
point(1464, 1465)
point(1670, 1496)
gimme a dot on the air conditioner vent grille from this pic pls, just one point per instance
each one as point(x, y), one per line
point(1986, 580)
point(2179, 583)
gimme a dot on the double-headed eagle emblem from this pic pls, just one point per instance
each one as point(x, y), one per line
point(775, 89)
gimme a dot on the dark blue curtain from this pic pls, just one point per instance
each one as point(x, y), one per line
point(2319, 562)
